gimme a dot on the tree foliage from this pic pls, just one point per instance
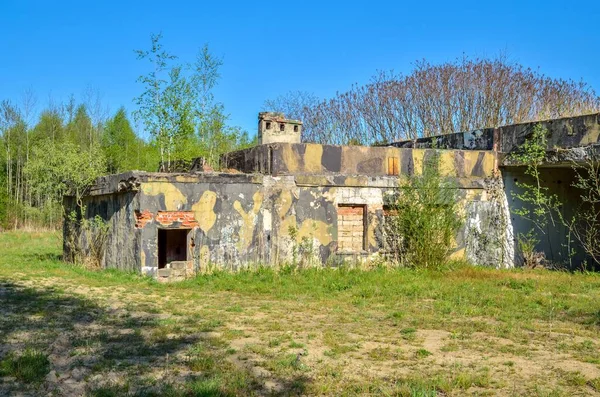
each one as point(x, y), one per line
point(73, 142)
point(178, 108)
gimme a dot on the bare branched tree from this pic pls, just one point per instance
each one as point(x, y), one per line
point(462, 95)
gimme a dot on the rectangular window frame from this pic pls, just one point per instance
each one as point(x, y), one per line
point(365, 227)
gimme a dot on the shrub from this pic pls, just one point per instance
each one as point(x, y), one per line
point(423, 218)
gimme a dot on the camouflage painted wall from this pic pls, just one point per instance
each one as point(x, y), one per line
point(281, 219)
point(564, 133)
point(240, 218)
point(314, 159)
point(123, 244)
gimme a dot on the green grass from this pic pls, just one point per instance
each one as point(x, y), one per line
point(461, 330)
point(31, 366)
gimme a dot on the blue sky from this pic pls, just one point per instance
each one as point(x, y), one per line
point(60, 48)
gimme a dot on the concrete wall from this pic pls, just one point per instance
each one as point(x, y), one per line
point(314, 159)
point(289, 207)
point(553, 239)
point(482, 139)
point(563, 133)
point(238, 219)
point(123, 245)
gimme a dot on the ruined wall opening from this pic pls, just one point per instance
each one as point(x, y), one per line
point(352, 224)
point(553, 239)
point(172, 246)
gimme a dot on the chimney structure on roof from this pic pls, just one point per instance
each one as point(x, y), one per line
point(275, 128)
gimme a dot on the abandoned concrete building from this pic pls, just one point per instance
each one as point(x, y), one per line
point(282, 193)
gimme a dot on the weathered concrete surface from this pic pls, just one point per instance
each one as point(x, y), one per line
point(274, 127)
point(293, 214)
point(314, 159)
point(482, 139)
point(123, 246)
point(563, 133)
point(554, 240)
point(281, 201)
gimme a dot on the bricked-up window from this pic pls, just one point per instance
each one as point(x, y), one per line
point(172, 246)
point(393, 166)
point(351, 227)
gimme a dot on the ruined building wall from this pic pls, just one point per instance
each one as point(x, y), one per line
point(313, 159)
point(553, 239)
point(316, 204)
point(117, 210)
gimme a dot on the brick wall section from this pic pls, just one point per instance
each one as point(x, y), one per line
point(184, 219)
point(143, 217)
point(351, 228)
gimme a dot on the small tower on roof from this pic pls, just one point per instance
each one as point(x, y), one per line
point(275, 128)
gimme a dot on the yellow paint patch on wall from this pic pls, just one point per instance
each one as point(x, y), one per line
point(351, 155)
point(286, 223)
point(470, 161)
point(174, 199)
point(331, 195)
point(458, 254)
point(204, 210)
point(248, 220)
point(356, 181)
point(372, 242)
point(591, 136)
point(204, 256)
point(290, 158)
point(184, 178)
point(447, 167)
point(312, 158)
point(283, 203)
point(418, 155)
point(312, 180)
point(315, 230)
point(488, 163)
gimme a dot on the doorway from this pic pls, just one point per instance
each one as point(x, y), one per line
point(172, 246)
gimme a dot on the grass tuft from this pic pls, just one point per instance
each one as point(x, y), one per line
point(30, 367)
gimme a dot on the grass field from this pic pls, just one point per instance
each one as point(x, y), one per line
point(467, 331)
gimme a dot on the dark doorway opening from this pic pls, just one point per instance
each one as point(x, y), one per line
point(172, 246)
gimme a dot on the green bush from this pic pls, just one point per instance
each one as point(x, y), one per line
point(423, 218)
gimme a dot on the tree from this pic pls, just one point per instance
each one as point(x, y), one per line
point(80, 129)
point(120, 144)
point(123, 149)
point(456, 96)
point(59, 168)
point(153, 111)
point(179, 109)
point(50, 126)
